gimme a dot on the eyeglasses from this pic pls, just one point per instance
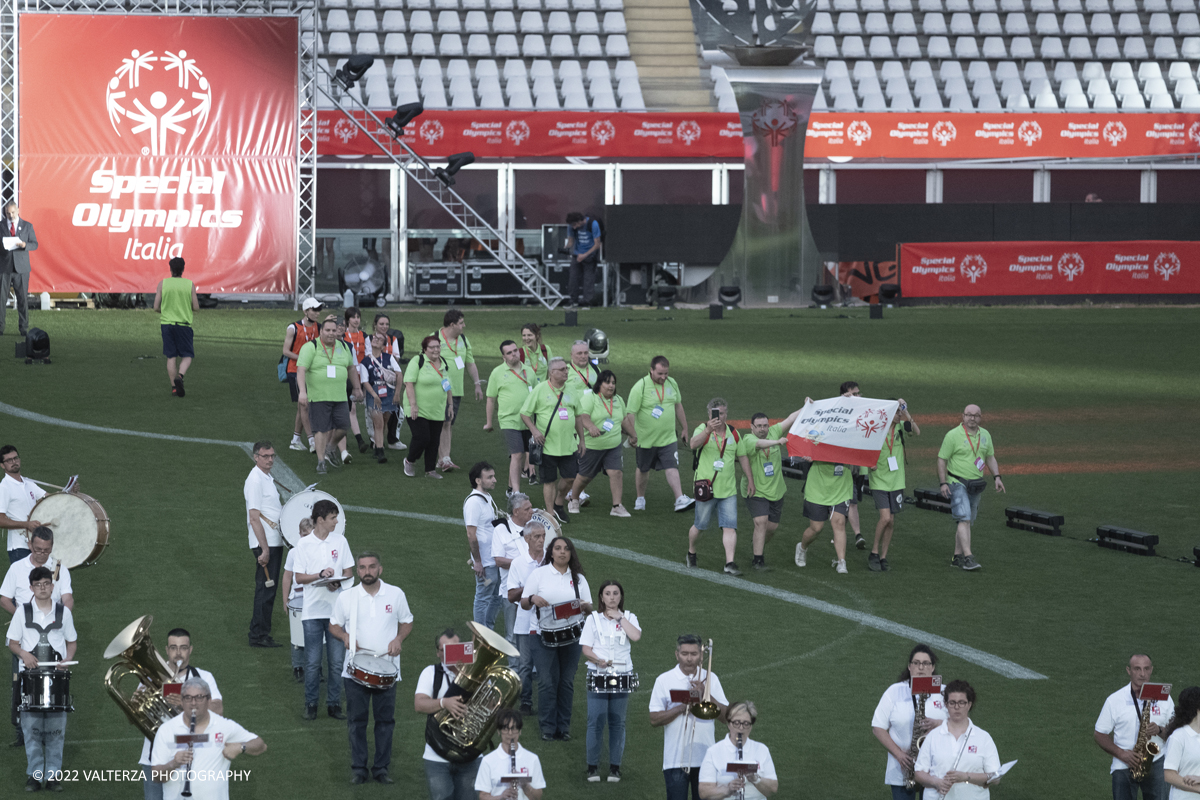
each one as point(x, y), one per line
point(957, 703)
point(193, 698)
point(740, 723)
point(920, 664)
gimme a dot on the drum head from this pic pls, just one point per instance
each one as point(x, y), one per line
point(300, 507)
point(80, 527)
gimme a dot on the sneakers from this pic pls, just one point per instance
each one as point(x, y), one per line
point(433, 474)
point(397, 446)
point(410, 469)
point(639, 504)
point(321, 468)
point(732, 569)
point(683, 502)
point(572, 506)
point(614, 774)
point(883, 564)
point(179, 386)
point(873, 563)
point(969, 563)
point(584, 499)
point(859, 542)
point(956, 561)
point(593, 774)
point(801, 555)
point(346, 457)
point(297, 444)
point(841, 567)
point(691, 560)
point(619, 511)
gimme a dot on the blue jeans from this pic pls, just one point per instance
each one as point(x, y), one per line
point(524, 666)
point(359, 702)
point(451, 781)
point(314, 632)
point(487, 597)
point(602, 708)
point(45, 732)
point(556, 684)
point(151, 790)
point(678, 783)
point(1154, 787)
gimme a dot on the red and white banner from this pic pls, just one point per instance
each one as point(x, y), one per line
point(842, 430)
point(144, 138)
point(1000, 269)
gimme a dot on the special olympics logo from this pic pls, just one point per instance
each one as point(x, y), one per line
point(1070, 266)
point(156, 101)
point(1029, 132)
point(1166, 265)
point(775, 120)
point(431, 130)
point(944, 132)
point(345, 130)
point(1194, 132)
point(688, 132)
point(973, 267)
point(517, 131)
point(1114, 133)
point(871, 422)
point(859, 132)
point(604, 132)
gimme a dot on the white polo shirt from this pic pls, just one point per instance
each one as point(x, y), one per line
point(608, 640)
point(313, 555)
point(895, 714)
point(261, 495)
point(498, 763)
point(941, 753)
point(506, 543)
point(522, 567)
point(1183, 755)
point(478, 511)
point(17, 499)
point(208, 678)
point(379, 618)
point(555, 587)
point(660, 700)
point(16, 580)
point(1123, 718)
point(209, 764)
point(28, 637)
point(723, 752)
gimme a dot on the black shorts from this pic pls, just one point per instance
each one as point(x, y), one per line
point(325, 416)
point(554, 467)
point(293, 387)
point(818, 513)
point(177, 341)
point(893, 501)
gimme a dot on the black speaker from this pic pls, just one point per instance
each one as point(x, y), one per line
point(36, 346)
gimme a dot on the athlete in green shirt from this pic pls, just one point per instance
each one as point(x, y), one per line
point(507, 388)
point(887, 485)
point(765, 447)
point(176, 300)
point(719, 449)
point(965, 451)
point(460, 360)
point(552, 407)
point(655, 405)
point(602, 412)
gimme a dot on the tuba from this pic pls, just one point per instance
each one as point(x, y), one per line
point(1145, 749)
point(144, 706)
point(488, 687)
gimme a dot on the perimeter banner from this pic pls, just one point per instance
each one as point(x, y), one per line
point(842, 430)
point(1005, 269)
point(143, 138)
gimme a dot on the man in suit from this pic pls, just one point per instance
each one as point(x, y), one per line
point(14, 266)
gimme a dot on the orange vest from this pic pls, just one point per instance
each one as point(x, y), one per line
point(305, 333)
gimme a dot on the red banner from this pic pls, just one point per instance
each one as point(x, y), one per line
point(144, 138)
point(1001, 269)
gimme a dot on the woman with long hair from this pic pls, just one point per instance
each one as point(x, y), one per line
point(606, 639)
point(895, 716)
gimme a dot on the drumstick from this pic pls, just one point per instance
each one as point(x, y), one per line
point(268, 583)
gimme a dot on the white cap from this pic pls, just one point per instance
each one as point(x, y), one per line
point(312, 302)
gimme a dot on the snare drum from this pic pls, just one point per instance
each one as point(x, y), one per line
point(299, 507)
point(46, 690)
point(561, 637)
point(372, 671)
point(80, 526)
point(612, 682)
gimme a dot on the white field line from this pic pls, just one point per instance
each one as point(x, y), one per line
point(291, 480)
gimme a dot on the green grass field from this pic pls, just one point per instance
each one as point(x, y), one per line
point(1092, 411)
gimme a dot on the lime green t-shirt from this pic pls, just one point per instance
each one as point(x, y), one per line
point(883, 477)
point(653, 409)
point(724, 479)
point(539, 361)
point(510, 387)
point(457, 357)
point(427, 382)
point(765, 465)
point(176, 304)
point(604, 414)
point(825, 488)
point(562, 440)
point(960, 454)
point(581, 380)
point(316, 360)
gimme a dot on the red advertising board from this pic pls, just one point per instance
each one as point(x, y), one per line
point(1004, 269)
point(143, 138)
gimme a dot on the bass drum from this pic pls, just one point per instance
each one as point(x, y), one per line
point(300, 507)
point(80, 526)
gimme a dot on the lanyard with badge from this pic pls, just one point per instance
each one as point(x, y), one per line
point(608, 424)
point(330, 369)
point(458, 362)
point(657, 411)
point(445, 380)
point(975, 448)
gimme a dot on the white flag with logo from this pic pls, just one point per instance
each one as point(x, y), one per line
point(842, 430)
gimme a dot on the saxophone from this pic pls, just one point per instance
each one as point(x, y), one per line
point(1145, 749)
point(914, 748)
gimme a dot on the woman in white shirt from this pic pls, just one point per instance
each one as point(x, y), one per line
point(957, 758)
point(1181, 764)
point(606, 646)
point(893, 720)
point(559, 595)
point(755, 782)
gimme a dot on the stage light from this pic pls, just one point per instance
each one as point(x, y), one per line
point(1130, 541)
point(729, 296)
point(889, 292)
point(1027, 519)
point(822, 295)
point(404, 115)
point(456, 162)
point(931, 500)
point(353, 71)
